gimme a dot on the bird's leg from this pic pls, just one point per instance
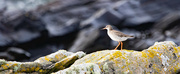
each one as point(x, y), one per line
point(121, 46)
point(117, 45)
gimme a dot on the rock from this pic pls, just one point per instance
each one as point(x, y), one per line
point(14, 53)
point(18, 54)
point(61, 23)
point(23, 5)
point(4, 40)
point(162, 57)
point(25, 26)
point(140, 15)
point(165, 29)
point(47, 64)
point(87, 36)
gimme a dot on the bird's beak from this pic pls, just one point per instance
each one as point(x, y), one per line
point(103, 28)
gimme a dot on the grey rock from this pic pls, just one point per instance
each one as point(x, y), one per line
point(162, 57)
point(14, 53)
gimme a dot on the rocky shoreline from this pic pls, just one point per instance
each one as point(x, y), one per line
point(161, 58)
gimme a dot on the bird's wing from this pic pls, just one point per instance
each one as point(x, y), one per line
point(120, 34)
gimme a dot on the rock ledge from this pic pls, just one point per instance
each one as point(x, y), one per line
point(161, 58)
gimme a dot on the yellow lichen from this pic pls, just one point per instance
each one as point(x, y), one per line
point(176, 68)
point(56, 56)
point(4, 66)
point(46, 58)
point(7, 64)
point(37, 68)
point(117, 54)
point(151, 53)
point(123, 67)
point(23, 70)
point(27, 69)
point(175, 49)
point(33, 68)
point(156, 68)
point(144, 54)
point(41, 70)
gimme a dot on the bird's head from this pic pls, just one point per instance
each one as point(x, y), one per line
point(108, 27)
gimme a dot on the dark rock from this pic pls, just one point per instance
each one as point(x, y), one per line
point(5, 55)
point(75, 25)
point(4, 40)
point(84, 39)
point(18, 54)
point(14, 53)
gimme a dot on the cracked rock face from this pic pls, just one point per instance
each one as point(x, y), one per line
point(161, 58)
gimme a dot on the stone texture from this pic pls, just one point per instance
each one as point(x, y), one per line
point(161, 58)
point(47, 64)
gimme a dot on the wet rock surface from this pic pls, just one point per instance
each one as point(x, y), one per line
point(50, 25)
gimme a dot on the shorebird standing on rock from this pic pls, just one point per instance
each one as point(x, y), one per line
point(117, 35)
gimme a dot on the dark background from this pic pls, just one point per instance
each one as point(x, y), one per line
point(30, 29)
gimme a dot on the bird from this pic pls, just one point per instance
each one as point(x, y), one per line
point(117, 35)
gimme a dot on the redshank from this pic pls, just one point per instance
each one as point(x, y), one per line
point(117, 36)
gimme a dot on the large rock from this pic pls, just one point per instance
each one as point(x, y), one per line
point(161, 58)
point(47, 64)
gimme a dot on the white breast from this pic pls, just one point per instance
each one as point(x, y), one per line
point(115, 37)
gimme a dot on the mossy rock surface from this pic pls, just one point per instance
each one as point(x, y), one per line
point(161, 58)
